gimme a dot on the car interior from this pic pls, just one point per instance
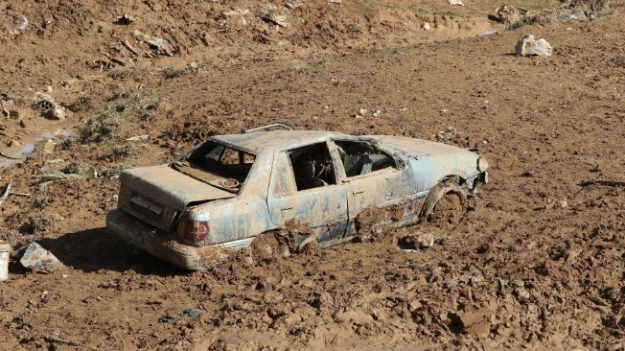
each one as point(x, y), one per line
point(312, 166)
point(219, 161)
point(360, 157)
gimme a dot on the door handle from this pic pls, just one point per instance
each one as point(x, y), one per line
point(358, 192)
point(286, 208)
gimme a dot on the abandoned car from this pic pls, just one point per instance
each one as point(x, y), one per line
point(229, 189)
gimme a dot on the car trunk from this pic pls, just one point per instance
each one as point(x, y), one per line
point(158, 194)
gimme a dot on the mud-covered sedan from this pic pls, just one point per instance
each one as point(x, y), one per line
point(230, 189)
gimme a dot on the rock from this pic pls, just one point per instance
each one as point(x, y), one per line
point(521, 294)
point(237, 12)
point(124, 20)
point(426, 26)
point(38, 259)
point(56, 114)
point(415, 241)
point(48, 147)
point(21, 23)
point(509, 14)
point(530, 46)
point(272, 16)
point(456, 2)
point(138, 137)
point(161, 46)
point(51, 109)
point(363, 111)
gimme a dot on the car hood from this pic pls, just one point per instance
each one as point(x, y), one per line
point(158, 194)
point(437, 159)
point(423, 148)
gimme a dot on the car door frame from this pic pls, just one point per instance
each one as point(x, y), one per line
point(358, 186)
point(331, 227)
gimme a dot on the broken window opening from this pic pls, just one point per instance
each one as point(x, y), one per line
point(312, 166)
point(218, 164)
point(360, 158)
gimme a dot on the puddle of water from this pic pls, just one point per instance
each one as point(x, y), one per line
point(28, 144)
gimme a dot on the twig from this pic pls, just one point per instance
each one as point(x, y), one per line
point(21, 194)
point(129, 47)
point(9, 156)
point(605, 182)
point(68, 342)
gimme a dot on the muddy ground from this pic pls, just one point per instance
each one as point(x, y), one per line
point(539, 264)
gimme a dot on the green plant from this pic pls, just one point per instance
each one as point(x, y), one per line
point(303, 66)
point(98, 127)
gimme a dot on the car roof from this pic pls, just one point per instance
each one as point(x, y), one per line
point(279, 139)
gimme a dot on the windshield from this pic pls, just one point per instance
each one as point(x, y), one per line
point(217, 164)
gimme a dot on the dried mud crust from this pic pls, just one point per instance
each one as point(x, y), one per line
point(538, 265)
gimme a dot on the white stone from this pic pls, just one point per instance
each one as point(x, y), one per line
point(426, 27)
point(38, 259)
point(530, 46)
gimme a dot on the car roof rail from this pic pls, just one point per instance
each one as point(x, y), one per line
point(269, 127)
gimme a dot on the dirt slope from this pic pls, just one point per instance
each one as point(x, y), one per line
point(537, 265)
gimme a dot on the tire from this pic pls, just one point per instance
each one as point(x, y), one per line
point(446, 202)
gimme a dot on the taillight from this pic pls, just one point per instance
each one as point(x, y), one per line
point(193, 232)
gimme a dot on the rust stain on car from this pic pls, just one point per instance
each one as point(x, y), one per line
point(322, 187)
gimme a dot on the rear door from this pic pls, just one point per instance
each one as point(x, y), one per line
point(319, 202)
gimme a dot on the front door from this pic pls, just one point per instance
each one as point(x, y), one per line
point(373, 182)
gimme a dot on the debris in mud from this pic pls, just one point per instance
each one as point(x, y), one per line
point(158, 44)
point(426, 26)
point(18, 26)
point(272, 16)
point(124, 20)
point(37, 259)
point(530, 46)
point(75, 170)
point(11, 156)
point(5, 251)
point(448, 134)
point(48, 147)
point(416, 241)
point(456, 2)
point(4, 192)
point(507, 14)
point(40, 222)
point(141, 137)
point(189, 314)
point(50, 108)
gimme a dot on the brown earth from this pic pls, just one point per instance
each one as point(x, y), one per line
point(538, 264)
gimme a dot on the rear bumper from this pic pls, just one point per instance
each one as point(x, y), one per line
point(159, 243)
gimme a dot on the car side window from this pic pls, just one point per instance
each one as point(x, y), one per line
point(361, 157)
point(312, 166)
point(283, 182)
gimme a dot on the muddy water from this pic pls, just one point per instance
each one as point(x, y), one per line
point(11, 155)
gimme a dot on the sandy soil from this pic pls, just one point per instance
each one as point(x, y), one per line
point(537, 265)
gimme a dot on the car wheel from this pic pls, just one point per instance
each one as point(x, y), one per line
point(446, 203)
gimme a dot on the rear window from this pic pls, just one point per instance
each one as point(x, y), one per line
point(222, 165)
